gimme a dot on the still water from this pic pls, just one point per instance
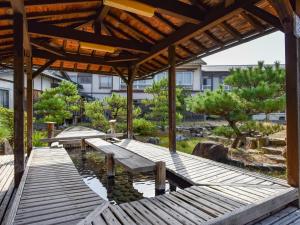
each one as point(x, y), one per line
point(124, 188)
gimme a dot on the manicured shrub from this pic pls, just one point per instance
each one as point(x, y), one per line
point(225, 131)
point(143, 126)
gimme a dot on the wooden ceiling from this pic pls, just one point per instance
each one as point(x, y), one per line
point(197, 27)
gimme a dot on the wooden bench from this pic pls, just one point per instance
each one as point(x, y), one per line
point(132, 162)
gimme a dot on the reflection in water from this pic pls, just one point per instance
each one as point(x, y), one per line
point(125, 187)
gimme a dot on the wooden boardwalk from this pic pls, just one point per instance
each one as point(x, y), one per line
point(6, 184)
point(199, 171)
point(198, 205)
point(287, 216)
point(52, 191)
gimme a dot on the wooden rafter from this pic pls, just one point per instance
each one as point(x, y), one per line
point(186, 31)
point(42, 68)
point(72, 34)
point(77, 58)
point(265, 16)
point(103, 11)
point(177, 9)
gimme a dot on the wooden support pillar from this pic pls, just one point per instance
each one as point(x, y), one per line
point(172, 98)
point(29, 111)
point(19, 160)
point(292, 107)
point(160, 178)
point(110, 164)
point(130, 103)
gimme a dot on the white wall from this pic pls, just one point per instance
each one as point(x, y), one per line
point(197, 80)
point(39, 83)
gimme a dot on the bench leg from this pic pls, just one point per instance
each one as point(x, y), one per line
point(110, 164)
point(160, 178)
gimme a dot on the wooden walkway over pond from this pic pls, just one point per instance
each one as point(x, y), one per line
point(220, 194)
point(52, 191)
point(199, 171)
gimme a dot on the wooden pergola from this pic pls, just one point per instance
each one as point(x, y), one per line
point(136, 40)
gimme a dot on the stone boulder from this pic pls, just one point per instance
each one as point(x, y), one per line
point(154, 140)
point(211, 150)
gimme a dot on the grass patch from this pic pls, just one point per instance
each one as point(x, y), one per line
point(186, 146)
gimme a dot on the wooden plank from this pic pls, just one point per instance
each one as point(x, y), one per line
point(253, 211)
point(129, 160)
point(90, 218)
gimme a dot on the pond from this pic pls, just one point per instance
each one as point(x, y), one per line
point(125, 187)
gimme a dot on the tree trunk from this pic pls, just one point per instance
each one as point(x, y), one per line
point(237, 132)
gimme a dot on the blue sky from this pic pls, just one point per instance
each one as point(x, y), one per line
point(269, 48)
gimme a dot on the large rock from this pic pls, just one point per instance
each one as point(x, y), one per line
point(211, 150)
point(154, 140)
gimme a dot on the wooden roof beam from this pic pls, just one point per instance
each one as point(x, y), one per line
point(212, 18)
point(253, 21)
point(285, 12)
point(265, 16)
point(72, 34)
point(103, 11)
point(42, 68)
point(45, 46)
point(176, 9)
point(232, 31)
point(78, 58)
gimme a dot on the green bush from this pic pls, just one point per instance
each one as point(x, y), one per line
point(6, 124)
point(263, 128)
point(143, 127)
point(36, 138)
point(224, 131)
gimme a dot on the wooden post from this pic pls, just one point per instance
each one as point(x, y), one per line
point(130, 103)
point(19, 162)
point(110, 163)
point(292, 57)
point(160, 178)
point(82, 145)
point(50, 129)
point(29, 111)
point(172, 99)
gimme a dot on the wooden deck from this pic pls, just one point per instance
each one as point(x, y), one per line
point(198, 205)
point(199, 171)
point(52, 191)
point(287, 216)
point(6, 184)
point(221, 195)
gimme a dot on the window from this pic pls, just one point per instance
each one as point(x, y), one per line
point(4, 98)
point(84, 78)
point(105, 82)
point(206, 84)
point(184, 79)
point(225, 86)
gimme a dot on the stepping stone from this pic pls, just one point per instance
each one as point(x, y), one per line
point(272, 150)
point(276, 158)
